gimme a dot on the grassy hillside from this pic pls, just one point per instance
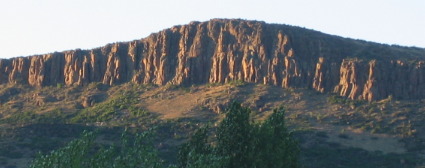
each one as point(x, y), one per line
point(332, 131)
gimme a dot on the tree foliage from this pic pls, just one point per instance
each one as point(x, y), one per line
point(136, 152)
point(198, 153)
point(243, 143)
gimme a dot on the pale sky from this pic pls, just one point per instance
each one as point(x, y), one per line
point(29, 27)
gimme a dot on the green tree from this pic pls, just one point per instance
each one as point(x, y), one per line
point(198, 153)
point(275, 147)
point(136, 152)
point(72, 156)
point(240, 143)
point(234, 136)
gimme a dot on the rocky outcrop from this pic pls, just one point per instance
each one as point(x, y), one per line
point(40, 100)
point(220, 50)
point(90, 100)
point(373, 80)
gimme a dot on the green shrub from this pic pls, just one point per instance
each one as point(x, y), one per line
point(59, 85)
point(236, 82)
point(106, 111)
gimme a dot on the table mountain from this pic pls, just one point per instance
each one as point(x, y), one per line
point(224, 50)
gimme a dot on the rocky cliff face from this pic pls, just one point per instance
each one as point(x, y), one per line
point(220, 51)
